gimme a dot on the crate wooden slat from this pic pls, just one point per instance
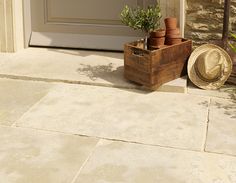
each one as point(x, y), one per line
point(152, 68)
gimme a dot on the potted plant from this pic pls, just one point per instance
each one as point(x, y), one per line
point(146, 20)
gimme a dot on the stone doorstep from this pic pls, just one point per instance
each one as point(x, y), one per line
point(76, 67)
point(176, 86)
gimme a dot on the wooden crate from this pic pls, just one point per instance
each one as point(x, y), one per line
point(152, 68)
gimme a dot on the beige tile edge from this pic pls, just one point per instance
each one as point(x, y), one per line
point(86, 161)
point(203, 149)
point(33, 106)
point(163, 88)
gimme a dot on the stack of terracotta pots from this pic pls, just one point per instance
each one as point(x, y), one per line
point(172, 31)
point(157, 38)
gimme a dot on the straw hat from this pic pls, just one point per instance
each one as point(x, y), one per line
point(209, 67)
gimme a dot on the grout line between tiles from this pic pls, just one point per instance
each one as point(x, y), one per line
point(65, 81)
point(31, 107)
point(111, 139)
point(124, 141)
point(207, 126)
point(85, 162)
point(29, 78)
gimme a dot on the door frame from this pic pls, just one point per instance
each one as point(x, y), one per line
point(28, 28)
point(182, 20)
point(27, 22)
point(11, 25)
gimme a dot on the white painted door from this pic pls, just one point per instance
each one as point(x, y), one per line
point(91, 24)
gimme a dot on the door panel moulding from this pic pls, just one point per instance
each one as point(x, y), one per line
point(16, 29)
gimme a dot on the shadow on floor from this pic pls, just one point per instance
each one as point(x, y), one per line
point(87, 52)
point(111, 74)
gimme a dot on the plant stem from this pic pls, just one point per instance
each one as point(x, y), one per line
point(145, 46)
point(145, 43)
point(226, 23)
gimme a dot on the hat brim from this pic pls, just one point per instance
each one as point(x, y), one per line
point(202, 83)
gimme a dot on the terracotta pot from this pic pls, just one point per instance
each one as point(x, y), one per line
point(156, 41)
point(173, 36)
point(172, 41)
point(173, 31)
point(158, 33)
point(171, 23)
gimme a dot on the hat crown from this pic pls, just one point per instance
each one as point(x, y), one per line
point(210, 65)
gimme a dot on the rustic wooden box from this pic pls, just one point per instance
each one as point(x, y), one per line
point(152, 68)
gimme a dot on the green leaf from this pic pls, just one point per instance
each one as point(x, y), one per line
point(231, 45)
point(233, 35)
point(143, 19)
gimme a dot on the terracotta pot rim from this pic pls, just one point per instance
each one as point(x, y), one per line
point(156, 41)
point(173, 30)
point(161, 29)
point(155, 38)
point(172, 41)
point(158, 33)
point(173, 36)
point(171, 23)
point(168, 18)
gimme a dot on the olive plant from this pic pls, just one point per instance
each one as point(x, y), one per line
point(146, 20)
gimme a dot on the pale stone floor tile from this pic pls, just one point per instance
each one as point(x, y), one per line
point(226, 91)
point(175, 120)
point(222, 127)
point(76, 66)
point(117, 162)
point(16, 97)
point(71, 65)
point(30, 156)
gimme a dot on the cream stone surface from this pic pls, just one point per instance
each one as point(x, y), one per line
point(175, 120)
point(177, 86)
point(16, 97)
point(43, 143)
point(75, 66)
point(114, 162)
point(29, 156)
point(222, 127)
point(227, 91)
point(4, 57)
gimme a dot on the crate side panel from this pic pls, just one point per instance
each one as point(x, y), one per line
point(137, 58)
point(137, 76)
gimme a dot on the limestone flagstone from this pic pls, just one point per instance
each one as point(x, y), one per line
point(156, 118)
point(17, 96)
point(227, 91)
point(4, 57)
point(222, 127)
point(75, 66)
point(34, 156)
point(114, 162)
